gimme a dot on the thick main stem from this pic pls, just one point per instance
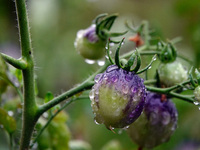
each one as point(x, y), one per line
point(29, 108)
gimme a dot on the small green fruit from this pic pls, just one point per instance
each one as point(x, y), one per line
point(89, 45)
point(172, 73)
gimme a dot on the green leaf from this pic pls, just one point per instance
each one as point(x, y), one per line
point(7, 121)
point(49, 96)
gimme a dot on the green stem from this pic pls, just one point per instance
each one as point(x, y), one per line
point(11, 141)
point(29, 108)
point(146, 33)
point(151, 81)
point(169, 91)
point(87, 84)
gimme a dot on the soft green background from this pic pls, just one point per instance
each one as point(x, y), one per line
point(54, 24)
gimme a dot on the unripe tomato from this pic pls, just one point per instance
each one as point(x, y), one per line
point(172, 73)
point(89, 45)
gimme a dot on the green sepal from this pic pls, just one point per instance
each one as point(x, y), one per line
point(191, 78)
point(100, 16)
point(108, 52)
point(111, 34)
point(130, 62)
point(168, 53)
point(105, 23)
point(138, 63)
point(117, 60)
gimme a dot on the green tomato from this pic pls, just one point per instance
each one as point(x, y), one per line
point(172, 73)
point(89, 45)
point(197, 93)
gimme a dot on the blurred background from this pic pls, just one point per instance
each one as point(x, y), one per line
point(54, 24)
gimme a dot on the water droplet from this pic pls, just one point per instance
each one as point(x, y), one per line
point(112, 44)
point(125, 89)
point(89, 61)
point(154, 58)
point(91, 95)
point(149, 67)
point(114, 78)
point(196, 103)
point(129, 77)
point(95, 121)
point(126, 127)
point(97, 77)
point(10, 113)
point(165, 118)
point(153, 118)
point(45, 115)
point(134, 89)
point(111, 68)
point(100, 62)
point(114, 95)
point(80, 33)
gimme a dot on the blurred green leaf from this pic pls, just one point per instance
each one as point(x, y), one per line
point(49, 96)
point(57, 135)
point(7, 121)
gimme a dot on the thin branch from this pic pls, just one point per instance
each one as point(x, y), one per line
point(87, 84)
point(169, 91)
point(17, 63)
point(54, 115)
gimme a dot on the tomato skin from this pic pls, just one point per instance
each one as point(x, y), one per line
point(197, 93)
point(89, 45)
point(117, 97)
point(172, 73)
point(156, 124)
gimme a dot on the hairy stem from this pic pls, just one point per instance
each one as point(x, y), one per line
point(29, 108)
